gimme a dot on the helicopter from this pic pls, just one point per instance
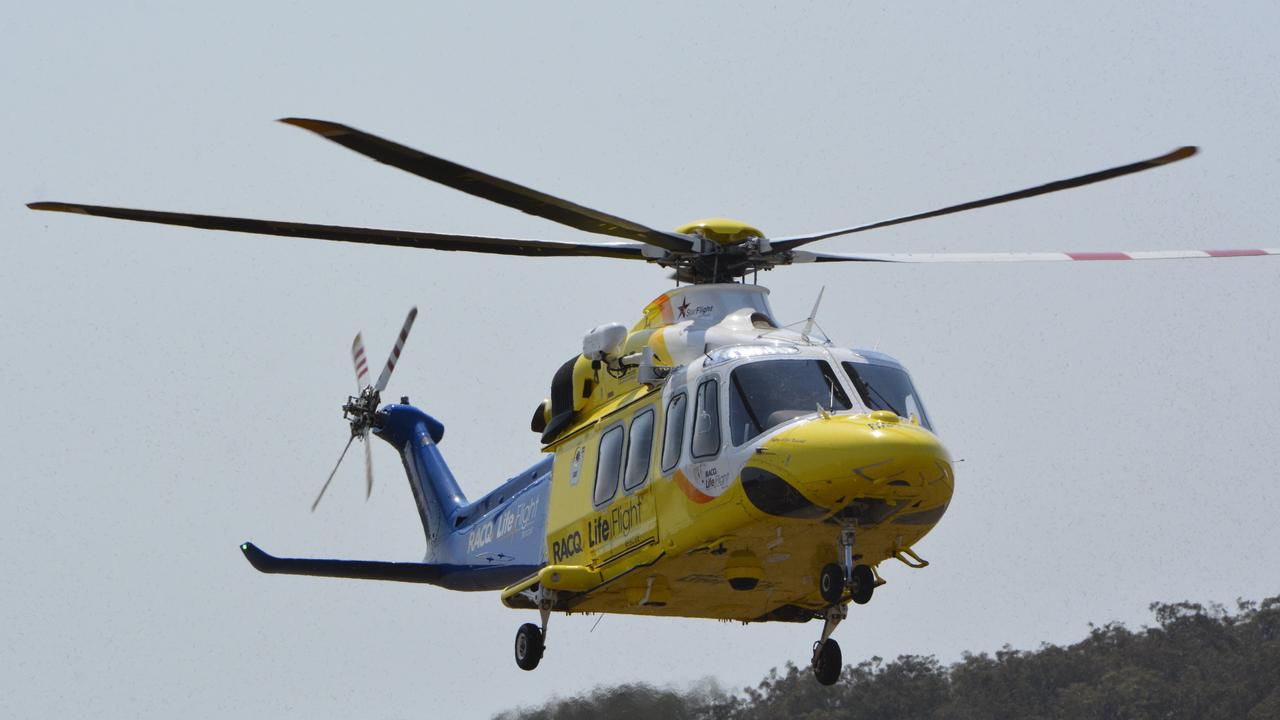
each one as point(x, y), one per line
point(705, 461)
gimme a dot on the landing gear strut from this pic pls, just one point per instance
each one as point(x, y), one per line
point(827, 661)
point(859, 579)
point(531, 639)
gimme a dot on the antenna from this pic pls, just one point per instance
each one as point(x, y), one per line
point(813, 314)
point(806, 326)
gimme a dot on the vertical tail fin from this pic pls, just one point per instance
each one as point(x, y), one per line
point(414, 434)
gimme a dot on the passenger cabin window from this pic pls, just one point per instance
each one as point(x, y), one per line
point(639, 450)
point(706, 420)
point(766, 393)
point(883, 387)
point(608, 465)
point(673, 434)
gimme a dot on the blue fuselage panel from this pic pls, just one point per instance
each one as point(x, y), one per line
point(504, 541)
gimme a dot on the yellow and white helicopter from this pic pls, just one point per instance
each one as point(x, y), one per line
point(703, 462)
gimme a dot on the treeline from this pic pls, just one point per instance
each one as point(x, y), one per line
point(1195, 662)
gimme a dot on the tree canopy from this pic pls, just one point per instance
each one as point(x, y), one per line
point(1200, 662)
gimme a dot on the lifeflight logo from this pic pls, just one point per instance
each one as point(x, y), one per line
point(517, 520)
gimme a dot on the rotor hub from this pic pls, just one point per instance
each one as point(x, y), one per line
point(721, 231)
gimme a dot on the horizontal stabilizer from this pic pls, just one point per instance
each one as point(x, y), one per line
point(356, 569)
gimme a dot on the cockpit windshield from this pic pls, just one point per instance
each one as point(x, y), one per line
point(884, 387)
point(766, 393)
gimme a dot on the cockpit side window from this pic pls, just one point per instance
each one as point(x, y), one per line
point(673, 431)
point(639, 450)
point(766, 393)
point(706, 420)
point(883, 387)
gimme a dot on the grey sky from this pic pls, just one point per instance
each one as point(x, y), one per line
point(174, 392)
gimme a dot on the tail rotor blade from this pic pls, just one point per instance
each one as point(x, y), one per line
point(361, 362)
point(395, 352)
point(335, 472)
point(368, 466)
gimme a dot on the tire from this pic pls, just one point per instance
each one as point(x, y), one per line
point(829, 664)
point(862, 584)
point(528, 646)
point(831, 583)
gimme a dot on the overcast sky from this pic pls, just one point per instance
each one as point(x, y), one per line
point(174, 392)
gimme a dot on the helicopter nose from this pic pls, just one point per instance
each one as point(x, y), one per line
point(825, 463)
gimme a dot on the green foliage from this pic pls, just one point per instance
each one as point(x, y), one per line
point(1199, 662)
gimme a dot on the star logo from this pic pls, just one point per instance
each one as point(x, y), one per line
point(684, 308)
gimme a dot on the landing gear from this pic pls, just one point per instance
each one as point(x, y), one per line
point(827, 662)
point(531, 639)
point(860, 579)
point(862, 584)
point(831, 583)
point(846, 547)
point(529, 646)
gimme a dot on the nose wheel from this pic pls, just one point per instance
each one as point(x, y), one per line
point(862, 583)
point(831, 583)
point(834, 580)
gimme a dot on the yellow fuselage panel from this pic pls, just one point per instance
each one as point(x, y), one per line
point(670, 545)
point(896, 472)
point(835, 459)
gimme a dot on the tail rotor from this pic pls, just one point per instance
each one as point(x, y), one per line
point(394, 357)
point(360, 411)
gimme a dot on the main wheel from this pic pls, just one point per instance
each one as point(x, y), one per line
point(862, 584)
point(528, 646)
point(829, 663)
point(831, 583)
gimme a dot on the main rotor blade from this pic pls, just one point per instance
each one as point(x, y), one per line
point(371, 236)
point(394, 357)
point(803, 256)
point(503, 192)
point(1181, 153)
point(331, 474)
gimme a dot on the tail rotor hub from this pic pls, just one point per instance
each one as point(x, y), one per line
point(361, 411)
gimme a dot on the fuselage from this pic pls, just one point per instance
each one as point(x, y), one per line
point(715, 488)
